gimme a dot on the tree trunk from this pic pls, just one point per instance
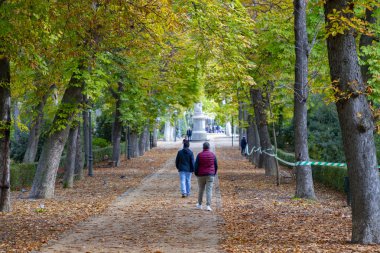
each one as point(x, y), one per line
point(86, 135)
point(304, 176)
point(134, 138)
point(117, 127)
point(245, 119)
point(35, 132)
point(142, 144)
point(79, 157)
point(251, 136)
point(155, 137)
point(44, 180)
point(240, 123)
point(366, 40)
point(256, 140)
point(356, 122)
point(147, 138)
point(267, 162)
point(68, 179)
point(5, 114)
point(16, 115)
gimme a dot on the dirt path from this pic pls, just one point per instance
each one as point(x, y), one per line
point(149, 218)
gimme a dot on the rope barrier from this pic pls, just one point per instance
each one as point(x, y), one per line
point(299, 163)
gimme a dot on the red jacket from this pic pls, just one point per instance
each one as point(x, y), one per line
point(206, 164)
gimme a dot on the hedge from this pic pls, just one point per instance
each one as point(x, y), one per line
point(330, 176)
point(22, 174)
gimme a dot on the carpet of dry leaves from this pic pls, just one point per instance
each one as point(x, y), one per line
point(257, 215)
point(29, 226)
point(261, 217)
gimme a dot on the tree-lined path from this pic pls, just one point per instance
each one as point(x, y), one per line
point(149, 218)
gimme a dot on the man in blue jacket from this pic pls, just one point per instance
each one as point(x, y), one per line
point(185, 166)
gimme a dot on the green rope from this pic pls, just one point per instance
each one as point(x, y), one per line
point(300, 163)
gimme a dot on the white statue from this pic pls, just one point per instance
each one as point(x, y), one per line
point(198, 108)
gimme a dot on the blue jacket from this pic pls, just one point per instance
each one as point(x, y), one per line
point(185, 160)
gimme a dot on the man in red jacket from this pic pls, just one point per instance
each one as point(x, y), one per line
point(205, 167)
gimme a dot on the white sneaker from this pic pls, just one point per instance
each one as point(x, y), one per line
point(199, 206)
point(208, 208)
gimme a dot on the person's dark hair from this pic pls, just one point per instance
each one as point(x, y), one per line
point(186, 143)
point(206, 145)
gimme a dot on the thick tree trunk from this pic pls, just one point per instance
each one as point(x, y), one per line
point(366, 40)
point(44, 180)
point(268, 161)
point(142, 143)
point(304, 176)
point(79, 157)
point(35, 132)
point(356, 122)
point(68, 179)
point(117, 127)
point(134, 138)
point(5, 114)
point(86, 135)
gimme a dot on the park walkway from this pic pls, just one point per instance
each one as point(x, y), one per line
point(151, 217)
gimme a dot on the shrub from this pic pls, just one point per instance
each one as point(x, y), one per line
point(289, 157)
point(18, 147)
point(100, 153)
point(100, 142)
point(330, 176)
point(22, 175)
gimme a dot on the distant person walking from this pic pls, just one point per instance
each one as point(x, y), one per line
point(189, 133)
point(184, 163)
point(243, 145)
point(206, 167)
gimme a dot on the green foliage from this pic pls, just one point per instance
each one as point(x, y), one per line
point(287, 156)
point(22, 175)
point(100, 142)
point(18, 147)
point(330, 176)
point(285, 138)
point(372, 54)
point(103, 126)
point(100, 153)
point(325, 140)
